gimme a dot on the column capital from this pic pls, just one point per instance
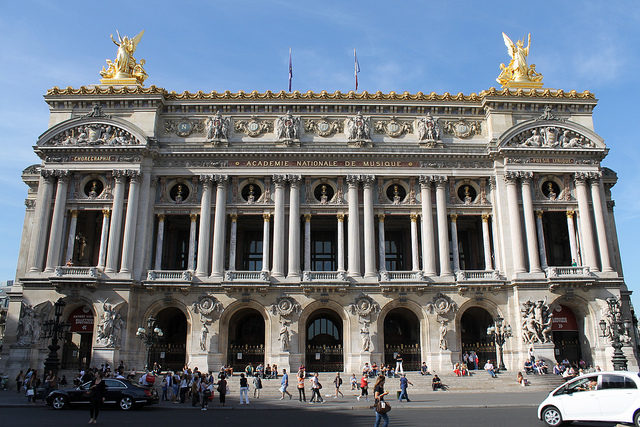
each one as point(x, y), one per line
point(47, 174)
point(414, 217)
point(193, 217)
point(340, 217)
point(425, 181)
point(279, 180)
point(106, 212)
point(62, 175)
point(307, 217)
point(381, 217)
point(526, 176)
point(74, 213)
point(570, 213)
point(206, 179)
point(510, 177)
point(294, 180)
point(367, 180)
point(160, 217)
point(120, 175)
point(581, 178)
point(454, 217)
point(486, 217)
point(440, 180)
point(266, 216)
point(221, 179)
point(595, 177)
point(539, 213)
point(133, 174)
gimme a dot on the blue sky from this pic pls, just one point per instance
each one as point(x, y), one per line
point(243, 45)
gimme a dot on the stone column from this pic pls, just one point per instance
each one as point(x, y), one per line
point(192, 242)
point(219, 227)
point(340, 217)
point(541, 243)
point(515, 223)
point(204, 232)
point(294, 228)
point(130, 223)
point(586, 230)
point(41, 221)
point(307, 242)
point(233, 241)
point(381, 240)
point(443, 233)
point(497, 253)
point(113, 252)
point(354, 227)
point(159, 243)
point(369, 229)
point(601, 228)
point(529, 223)
point(55, 234)
point(415, 258)
point(265, 242)
point(486, 242)
point(571, 227)
point(104, 237)
point(277, 269)
point(71, 239)
point(454, 242)
point(428, 243)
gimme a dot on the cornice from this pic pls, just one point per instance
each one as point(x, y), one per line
point(323, 95)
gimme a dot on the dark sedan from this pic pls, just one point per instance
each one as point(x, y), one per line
point(122, 392)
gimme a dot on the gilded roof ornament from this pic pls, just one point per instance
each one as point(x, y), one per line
point(518, 73)
point(124, 70)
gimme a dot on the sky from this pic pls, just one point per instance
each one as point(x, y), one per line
point(452, 46)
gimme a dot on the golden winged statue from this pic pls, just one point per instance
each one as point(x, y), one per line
point(125, 69)
point(518, 73)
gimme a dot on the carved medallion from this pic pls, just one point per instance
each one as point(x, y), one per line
point(364, 306)
point(323, 127)
point(442, 305)
point(393, 127)
point(461, 128)
point(208, 306)
point(285, 306)
point(253, 127)
point(183, 127)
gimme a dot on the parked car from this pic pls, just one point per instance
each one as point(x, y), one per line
point(122, 392)
point(599, 396)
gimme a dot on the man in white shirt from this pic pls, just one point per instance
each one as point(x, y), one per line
point(490, 369)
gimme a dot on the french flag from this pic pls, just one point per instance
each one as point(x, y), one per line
point(357, 67)
point(290, 70)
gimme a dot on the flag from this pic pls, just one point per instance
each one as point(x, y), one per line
point(290, 70)
point(357, 67)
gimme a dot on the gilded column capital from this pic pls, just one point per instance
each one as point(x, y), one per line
point(160, 217)
point(266, 216)
point(194, 217)
point(570, 214)
point(539, 213)
point(74, 213)
point(106, 212)
point(340, 217)
point(486, 217)
point(454, 217)
point(381, 217)
point(307, 217)
point(234, 217)
point(414, 217)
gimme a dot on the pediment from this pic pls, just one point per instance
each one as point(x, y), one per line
point(93, 132)
point(551, 135)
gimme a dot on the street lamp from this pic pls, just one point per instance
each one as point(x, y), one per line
point(614, 331)
point(55, 330)
point(149, 336)
point(500, 332)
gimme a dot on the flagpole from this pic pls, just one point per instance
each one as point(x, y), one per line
point(290, 70)
point(356, 67)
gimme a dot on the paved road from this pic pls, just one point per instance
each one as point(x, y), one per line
point(312, 416)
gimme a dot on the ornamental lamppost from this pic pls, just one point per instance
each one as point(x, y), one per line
point(149, 336)
point(500, 332)
point(55, 330)
point(615, 329)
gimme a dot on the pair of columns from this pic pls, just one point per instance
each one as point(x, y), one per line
point(219, 226)
point(415, 257)
point(157, 264)
point(353, 227)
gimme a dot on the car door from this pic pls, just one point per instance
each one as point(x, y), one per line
point(79, 394)
point(579, 401)
point(617, 395)
point(114, 390)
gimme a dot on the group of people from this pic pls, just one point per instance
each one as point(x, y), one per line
point(264, 372)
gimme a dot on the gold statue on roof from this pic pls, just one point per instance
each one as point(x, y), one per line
point(518, 73)
point(125, 70)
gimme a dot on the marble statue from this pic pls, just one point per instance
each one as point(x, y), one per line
point(110, 326)
point(26, 325)
point(286, 127)
point(358, 128)
point(365, 337)
point(443, 334)
point(537, 322)
point(217, 127)
point(284, 337)
point(427, 128)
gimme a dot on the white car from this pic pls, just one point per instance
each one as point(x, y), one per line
point(599, 396)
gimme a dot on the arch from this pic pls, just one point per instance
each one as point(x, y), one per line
point(585, 317)
point(508, 135)
point(423, 328)
point(117, 122)
point(153, 310)
point(77, 345)
point(225, 326)
point(472, 321)
point(171, 350)
point(334, 359)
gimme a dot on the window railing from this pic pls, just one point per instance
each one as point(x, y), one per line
point(172, 275)
point(462, 275)
point(231, 276)
point(64, 271)
point(390, 276)
point(583, 271)
point(329, 276)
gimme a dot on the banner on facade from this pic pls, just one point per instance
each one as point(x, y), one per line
point(81, 320)
point(564, 319)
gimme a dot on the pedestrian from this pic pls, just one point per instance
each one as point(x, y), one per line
point(315, 389)
point(175, 382)
point(404, 383)
point(399, 368)
point(222, 390)
point(206, 390)
point(300, 376)
point(354, 382)
point(257, 386)
point(244, 390)
point(184, 388)
point(97, 391)
point(364, 388)
point(32, 385)
point(381, 406)
point(19, 379)
point(337, 381)
point(532, 355)
point(165, 388)
point(195, 387)
point(284, 383)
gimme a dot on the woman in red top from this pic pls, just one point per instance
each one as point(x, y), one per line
point(364, 385)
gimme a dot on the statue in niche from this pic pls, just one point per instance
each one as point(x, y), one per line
point(323, 197)
point(396, 195)
point(251, 198)
point(93, 193)
point(552, 194)
point(443, 334)
point(179, 197)
point(284, 337)
point(82, 245)
point(467, 195)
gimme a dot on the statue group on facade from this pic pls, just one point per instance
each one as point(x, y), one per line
point(537, 322)
point(551, 137)
point(110, 326)
point(518, 73)
point(94, 134)
point(125, 65)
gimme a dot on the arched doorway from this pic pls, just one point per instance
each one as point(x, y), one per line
point(473, 334)
point(566, 337)
point(402, 335)
point(171, 350)
point(324, 348)
point(76, 350)
point(246, 339)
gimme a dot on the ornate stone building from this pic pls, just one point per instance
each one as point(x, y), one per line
point(324, 229)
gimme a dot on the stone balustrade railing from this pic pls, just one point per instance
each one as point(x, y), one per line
point(390, 276)
point(169, 275)
point(329, 276)
point(262, 276)
point(559, 272)
point(64, 271)
point(463, 275)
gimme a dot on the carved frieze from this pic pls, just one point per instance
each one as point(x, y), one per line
point(184, 127)
point(461, 128)
point(556, 137)
point(437, 164)
point(536, 322)
point(323, 126)
point(393, 127)
point(253, 127)
point(94, 134)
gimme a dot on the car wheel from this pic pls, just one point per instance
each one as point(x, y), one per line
point(636, 419)
point(552, 417)
point(126, 403)
point(58, 402)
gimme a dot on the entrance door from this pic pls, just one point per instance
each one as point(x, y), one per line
point(565, 335)
point(76, 350)
point(171, 350)
point(324, 349)
point(473, 326)
point(402, 335)
point(246, 339)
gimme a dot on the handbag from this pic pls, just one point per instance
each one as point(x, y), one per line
point(382, 407)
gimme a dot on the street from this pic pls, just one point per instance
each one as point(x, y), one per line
point(318, 415)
